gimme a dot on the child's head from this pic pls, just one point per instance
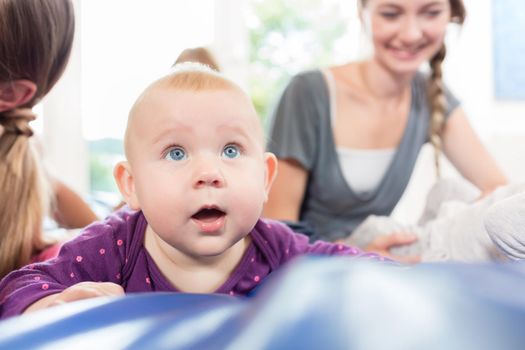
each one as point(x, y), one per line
point(36, 37)
point(196, 164)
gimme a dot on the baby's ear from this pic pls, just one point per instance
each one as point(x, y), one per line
point(126, 184)
point(270, 161)
point(16, 93)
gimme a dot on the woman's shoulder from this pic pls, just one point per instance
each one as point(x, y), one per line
point(421, 80)
point(420, 84)
point(349, 68)
point(306, 86)
point(314, 73)
point(307, 78)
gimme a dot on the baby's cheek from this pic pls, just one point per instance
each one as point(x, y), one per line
point(250, 199)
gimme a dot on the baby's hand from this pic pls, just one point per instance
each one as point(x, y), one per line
point(83, 290)
point(382, 245)
point(86, 290)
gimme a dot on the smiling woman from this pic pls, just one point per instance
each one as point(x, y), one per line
point(348, 136)
point(405, 36)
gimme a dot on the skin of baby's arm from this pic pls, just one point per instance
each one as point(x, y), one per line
point(79, 291)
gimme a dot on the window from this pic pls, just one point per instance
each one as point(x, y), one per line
point(125, 45)
point(288, 36)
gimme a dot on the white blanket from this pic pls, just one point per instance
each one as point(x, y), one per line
point(451, 228)
point(505, 224)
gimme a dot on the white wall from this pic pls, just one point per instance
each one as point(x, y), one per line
point(231, 39)
point(64, 146)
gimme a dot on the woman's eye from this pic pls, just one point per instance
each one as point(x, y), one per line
point(389, 15)
point(231, 151)
point(433, 14)
point(176, 153)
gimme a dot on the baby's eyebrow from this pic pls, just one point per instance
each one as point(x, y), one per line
point(235, 128)
point(171, 132)
point(247, 134)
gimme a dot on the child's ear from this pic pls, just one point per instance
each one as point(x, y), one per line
point(270, 161)
point(16, 93)
point(126, 185)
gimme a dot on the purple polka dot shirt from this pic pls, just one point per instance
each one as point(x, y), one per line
point(113, 251)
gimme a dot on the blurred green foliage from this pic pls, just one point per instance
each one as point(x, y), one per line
point(288, 36)
point(103, 155)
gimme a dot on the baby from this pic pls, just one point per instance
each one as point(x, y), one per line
point(195, 180)
point(456, 227)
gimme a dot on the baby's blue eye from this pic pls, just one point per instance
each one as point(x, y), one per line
point(231, 151)
point(176, 153)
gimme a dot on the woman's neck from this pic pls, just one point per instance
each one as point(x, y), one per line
point(381, 83)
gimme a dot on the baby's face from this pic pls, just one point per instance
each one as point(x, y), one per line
point(199, 168)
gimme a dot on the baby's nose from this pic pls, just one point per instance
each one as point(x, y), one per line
point(208, 175)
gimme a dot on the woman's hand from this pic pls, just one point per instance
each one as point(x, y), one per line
point(382, 245)
point(79, 291)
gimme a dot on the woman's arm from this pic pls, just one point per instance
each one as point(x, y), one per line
point(286, 197)
point(464, 149)
point(70, 210)
point(287, 192)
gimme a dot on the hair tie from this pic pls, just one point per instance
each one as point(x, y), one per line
point(22, 113)
point(16, 121)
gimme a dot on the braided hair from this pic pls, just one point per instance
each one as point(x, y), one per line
point(435, 90)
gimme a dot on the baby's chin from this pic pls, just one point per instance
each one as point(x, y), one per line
point(210, 251)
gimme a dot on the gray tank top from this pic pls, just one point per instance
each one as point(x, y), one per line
point(301, 129)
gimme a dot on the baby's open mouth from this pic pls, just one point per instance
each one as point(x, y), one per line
point(208, 214)
point(209, 220)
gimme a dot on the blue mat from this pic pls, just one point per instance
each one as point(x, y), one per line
point(314, 303)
